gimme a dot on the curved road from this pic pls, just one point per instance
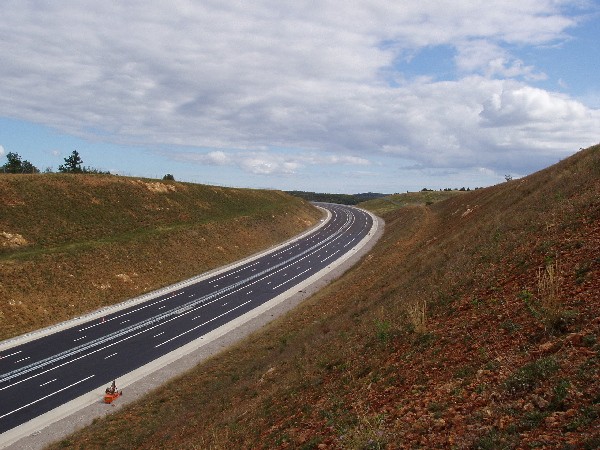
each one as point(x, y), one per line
point(44, 373)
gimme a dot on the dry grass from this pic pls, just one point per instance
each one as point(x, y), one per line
point(417, 315)
point(548, 288)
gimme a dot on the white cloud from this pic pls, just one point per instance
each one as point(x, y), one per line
point(354, 160)
point(267, 162)
point(521, 106)
point(264, 164)
point(243, 79)
point(217, 158)
point(492, 60)
point(1, 150)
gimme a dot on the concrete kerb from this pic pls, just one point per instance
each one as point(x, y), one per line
point(62, 421)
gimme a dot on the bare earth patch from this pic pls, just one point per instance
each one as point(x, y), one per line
point(12, 240)
point(159, 187)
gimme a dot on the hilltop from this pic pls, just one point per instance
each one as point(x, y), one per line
point(473, 323)
point(70, 244)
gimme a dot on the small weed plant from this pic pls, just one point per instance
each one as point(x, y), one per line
point(530, 375)
point(384, 331)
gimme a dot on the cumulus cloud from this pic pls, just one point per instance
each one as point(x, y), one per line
point(526, 106)
point(217, 158)
point(264, 165)
point(2, 151)
point(492, 60)
point(267, 162)
point(244, 79)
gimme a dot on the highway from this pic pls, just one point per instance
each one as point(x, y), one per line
point(41, 374)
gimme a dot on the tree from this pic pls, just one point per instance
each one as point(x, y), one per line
point(169, 177)
point(29, 168)
point(16, 165)
point(72, 163)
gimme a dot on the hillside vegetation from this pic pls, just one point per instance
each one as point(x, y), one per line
point(70, 244)
point(389, 203)
point(473, 323)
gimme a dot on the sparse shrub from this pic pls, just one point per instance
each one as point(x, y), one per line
point(589, 340)
point(526, 296)
point(533, 419)
point(437, 409)
point(585, 417)
point(493, 440)
point(424, 339)
point(510, 326)
point(368, 433)
point(384, 332)
point(561, 390)
point(491, 365)
point(476, 302)
point(528, 376)
point(464, 372)
point(589, 369)
point(283, 439)
point(580, 272)
point(530, 303)
point(313, 442)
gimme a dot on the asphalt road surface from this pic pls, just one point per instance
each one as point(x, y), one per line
point(44, 373)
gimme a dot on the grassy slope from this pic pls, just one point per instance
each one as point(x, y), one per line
point(497, 360)
point(88, 241)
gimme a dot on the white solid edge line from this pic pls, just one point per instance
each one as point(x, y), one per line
point(13, 435)
point(46, 396)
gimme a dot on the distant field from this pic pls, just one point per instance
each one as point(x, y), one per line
point(70, 244)
point(383, 205)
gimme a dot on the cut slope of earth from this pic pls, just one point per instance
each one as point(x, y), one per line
point(473, 323)
point(70, 244)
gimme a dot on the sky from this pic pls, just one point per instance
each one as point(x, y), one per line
point(339, 96)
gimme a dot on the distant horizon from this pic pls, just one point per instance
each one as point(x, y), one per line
point(157, 178)
point(374, 96)
point(507, 177)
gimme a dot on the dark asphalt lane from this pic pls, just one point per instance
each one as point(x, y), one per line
point(42, 374)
